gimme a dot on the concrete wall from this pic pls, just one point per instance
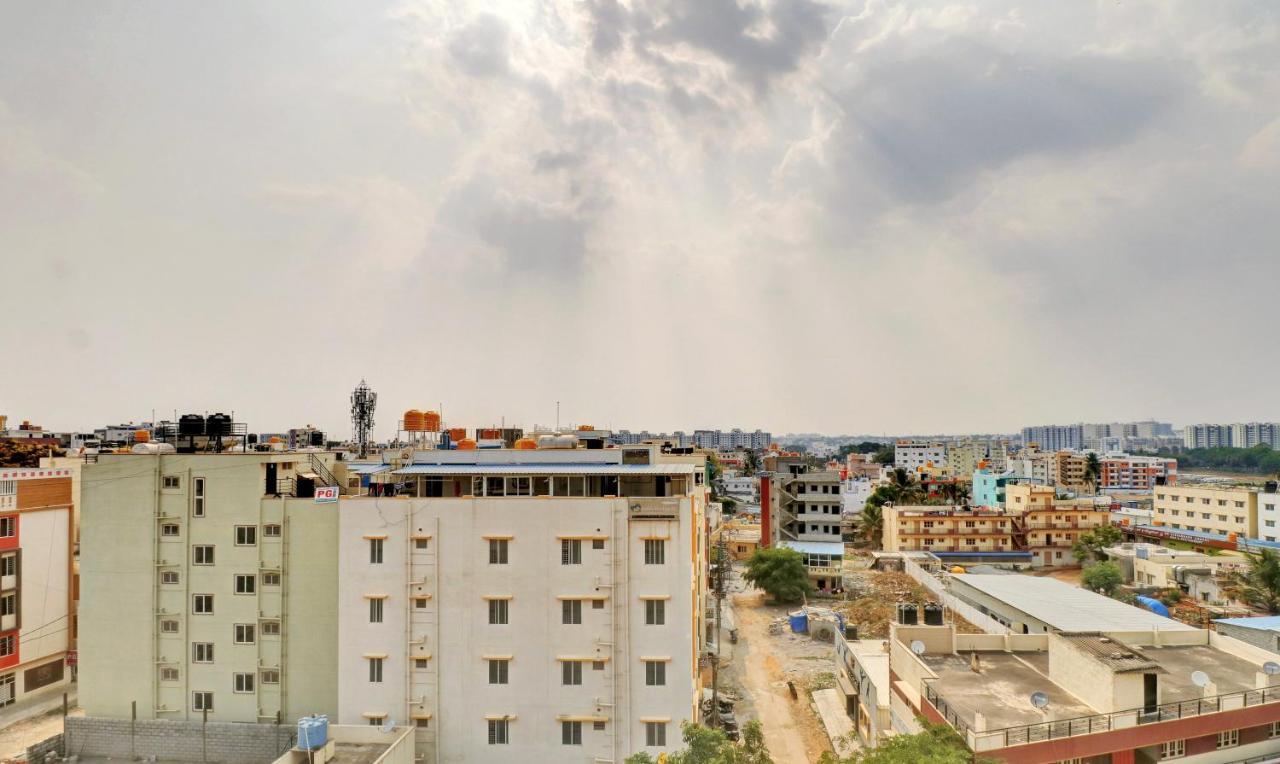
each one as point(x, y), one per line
point(176, 740)
point(1262, 638)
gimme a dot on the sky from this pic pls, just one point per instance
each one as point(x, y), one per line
point(795, 215)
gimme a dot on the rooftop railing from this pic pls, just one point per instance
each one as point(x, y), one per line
point(990, 740)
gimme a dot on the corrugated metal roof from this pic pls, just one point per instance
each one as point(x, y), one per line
point(1263, 622)
point(547, 469)
point(1065, 607)
point(367, 468)
point(1175, 532)
point(815, 547)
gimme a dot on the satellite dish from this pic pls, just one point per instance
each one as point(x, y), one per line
point(917, 647)
point(1039, 700)
point(1271, 668)
point(1199, 678)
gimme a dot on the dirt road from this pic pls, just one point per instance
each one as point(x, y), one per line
point(15, 738)
point(791, 730)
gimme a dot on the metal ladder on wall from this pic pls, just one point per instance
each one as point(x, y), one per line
point(423, 629)
point(616, 669)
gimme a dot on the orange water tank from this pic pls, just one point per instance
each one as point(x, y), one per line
point(526, 444)
point(413, 421)
point(457, 434)
point(274, 439)
point(141, 436)
point(585, 428)
point(431, 421)
point(488, 433)
point(467, 444)
point(1231, 537)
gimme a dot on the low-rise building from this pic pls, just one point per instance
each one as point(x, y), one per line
point(1259, 631)
point(802, 510)
point(1113, 695)
point(988, 488)
point(1269, 514)
point(1121, 472)
point(1159, 567)
point(1044, 534)
point(862, 674)
point(913, 455)
point(1208, 509)
point(1022, 496)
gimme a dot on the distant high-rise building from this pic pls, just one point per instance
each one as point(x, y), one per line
point(1054, 437)
point(1238, 435)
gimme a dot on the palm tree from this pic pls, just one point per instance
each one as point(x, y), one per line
point(904, 488)
point(1092, 471)
point(870, 525)
point(1258, 586)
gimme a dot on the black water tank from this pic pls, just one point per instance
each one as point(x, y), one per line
point(850, 632)
point(317, 438)
point(932, 614)
point(217, 425)
point(907, 614)
point(191, 424)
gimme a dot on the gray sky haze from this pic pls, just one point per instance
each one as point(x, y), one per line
point(795, 215)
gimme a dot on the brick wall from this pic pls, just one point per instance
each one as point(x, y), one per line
point(36, 753)
point(224, 742)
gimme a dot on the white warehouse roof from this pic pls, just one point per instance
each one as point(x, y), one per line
point(1065, 607)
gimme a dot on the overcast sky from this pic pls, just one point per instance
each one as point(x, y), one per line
point(840, 217)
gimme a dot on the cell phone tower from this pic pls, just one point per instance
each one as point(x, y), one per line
point(363, 402)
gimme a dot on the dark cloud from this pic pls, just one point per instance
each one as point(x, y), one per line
point(480, 48)
point(609, 22)
point(919, 127)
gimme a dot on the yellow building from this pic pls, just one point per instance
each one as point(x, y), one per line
point(1209, 509)
point(1047, 532)
point(1069, 471)
point(1021, 497)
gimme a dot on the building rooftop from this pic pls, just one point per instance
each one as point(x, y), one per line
point(1001, 688)
point(1114, 655)
point(1065, 607)
point(815, 547)
point(1164, 531)
point(1263, 622)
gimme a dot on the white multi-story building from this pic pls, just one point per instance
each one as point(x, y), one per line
point(1269, 514)
point(37, 593)
point(915, 454)
point(1054, 437)
point(1206, 436)
point(540, 605)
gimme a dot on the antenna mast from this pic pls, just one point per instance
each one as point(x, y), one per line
point(363, 403)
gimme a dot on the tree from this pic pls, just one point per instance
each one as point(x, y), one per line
point(780, 572)
point(1092, 471)
point(750, 462)
point(1102, 577)
point(1089, 547)
point(870, 524)
point(884, 455)
point(708, 746)
point(15, 453)
point(937, 744)
point(1258, 586)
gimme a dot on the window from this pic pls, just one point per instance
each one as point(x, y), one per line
point(655, 673)
point(168, 674)
point(597, 543)
point(169, 529)
point(1274, 731)
point(271, 676)
point(597, 604)
point(271, 579)
point(244, 633)
point(243, 682)
point(571, 733)
point(376, 721)
point(7, 690)
point(571, 611)
point(419, 602)
point(8, 526)
point(201, 701)
point(9, 565)
point(202, 554)
point(655, 734)
point(246, 583)
point(420, 663)
point(422, 723)
point(1229, 739)
point(375, 551)
point(270, 628)
point(246, 535)
point(571, 672)
point(655, 612)
point(422, 543)
point(271, 531)
point(597, 726)
point(202, 652)
point(168, 576)
point(172, 482)
point(498, 732)
point(498, 670)
point(6, 646)
point(197, 500)
point(570, 551)
point(169, 626)
point(497, 551)
point(375, 670)
point(498, 612)
point(597, 665)
point(375, 611)
point(1173, 749)
point(655, 551)
point(202, 604)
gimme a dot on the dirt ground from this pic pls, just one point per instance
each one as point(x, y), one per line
point(15, 738)
point(792, 730)
point(1065, 575)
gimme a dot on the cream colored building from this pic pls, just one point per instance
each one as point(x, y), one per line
point(1209, 509)
point(1045, 532)
point(544, 605)
point(205, 583)
point(1021, 497)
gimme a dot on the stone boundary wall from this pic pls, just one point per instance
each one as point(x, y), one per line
point(172, 740)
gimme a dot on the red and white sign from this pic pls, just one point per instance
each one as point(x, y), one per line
point(326, 494)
